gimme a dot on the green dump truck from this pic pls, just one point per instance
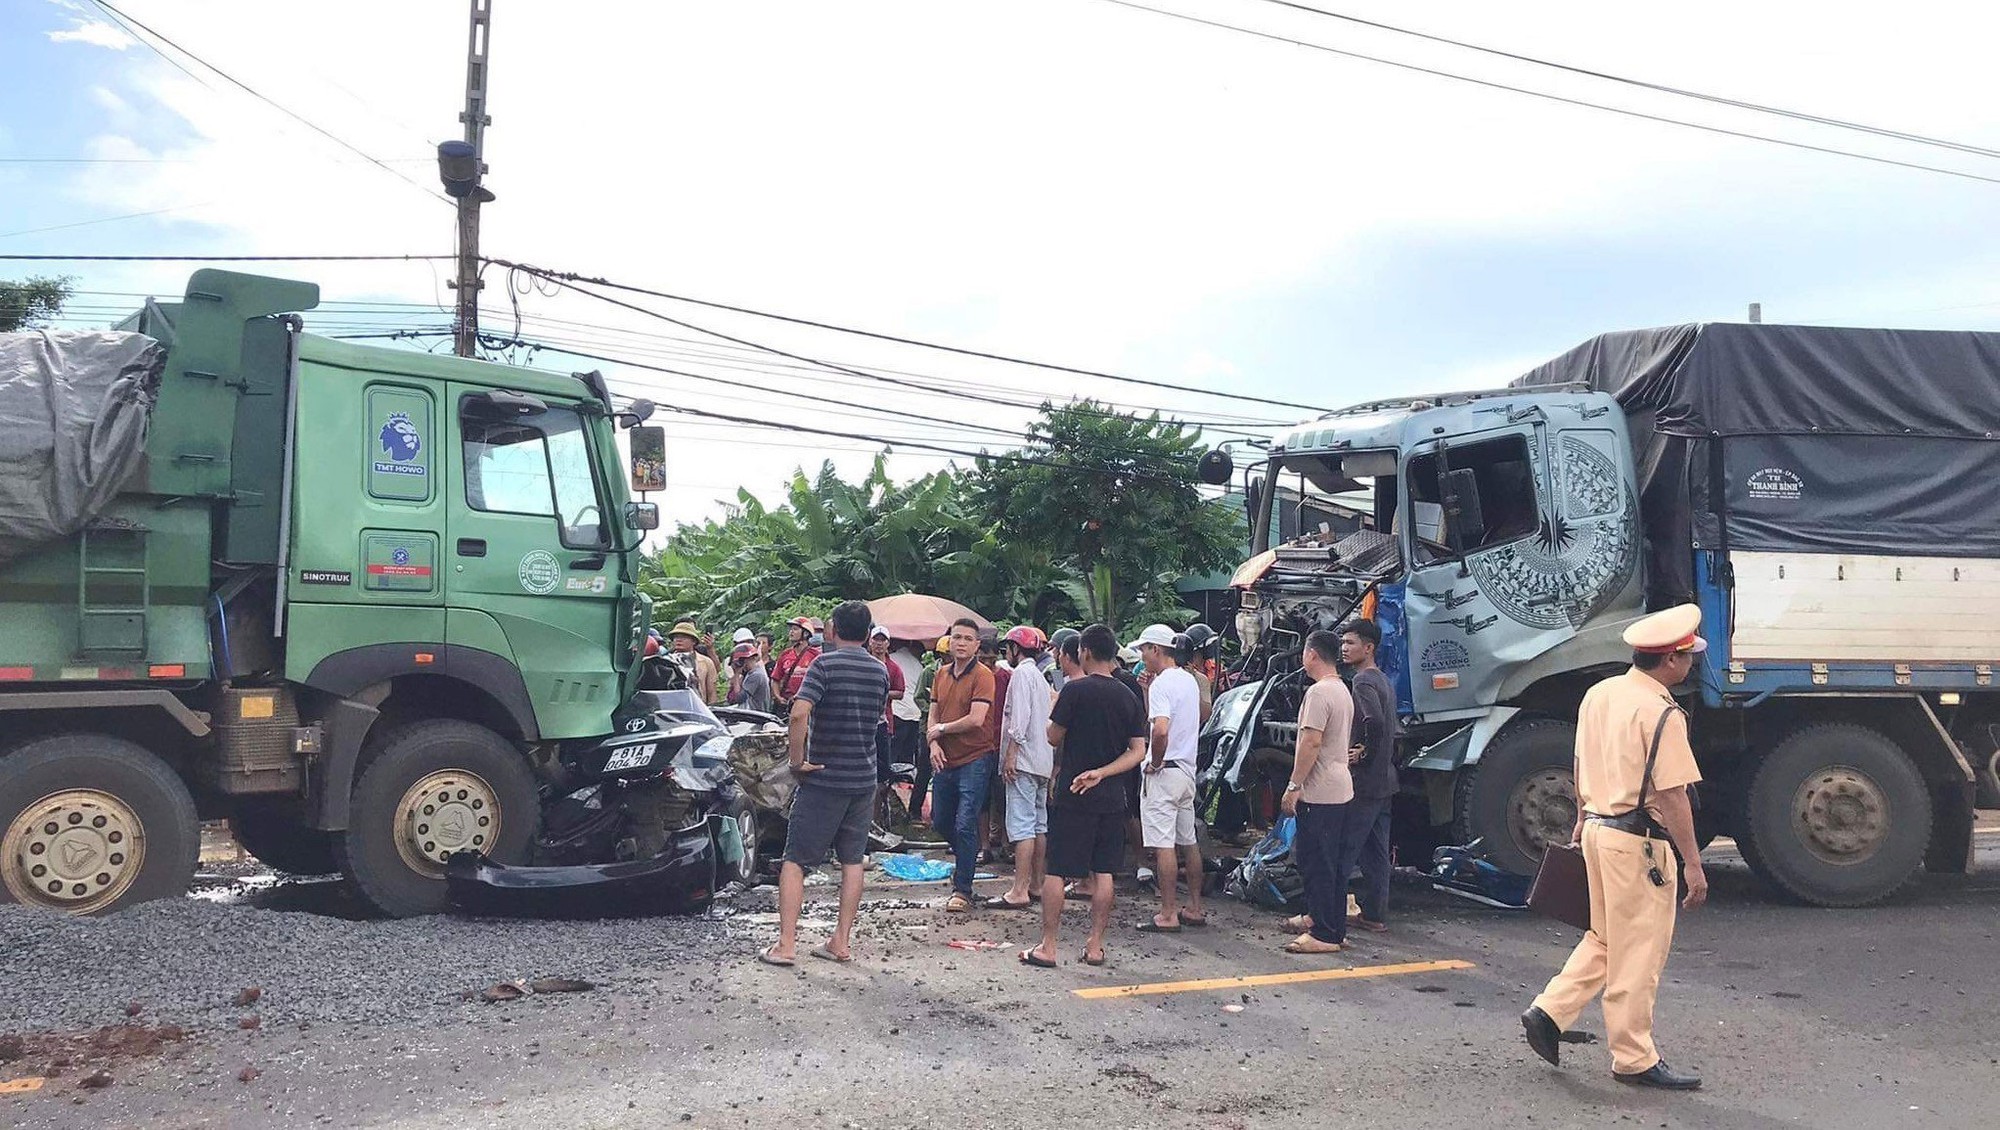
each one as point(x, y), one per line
point(347, 597)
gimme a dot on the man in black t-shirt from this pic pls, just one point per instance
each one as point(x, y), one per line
point(1099, 729)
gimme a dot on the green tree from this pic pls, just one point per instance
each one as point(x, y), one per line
point(32, 302)
point(1111, 497)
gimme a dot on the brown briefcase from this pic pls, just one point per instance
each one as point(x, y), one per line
point(1562, 887)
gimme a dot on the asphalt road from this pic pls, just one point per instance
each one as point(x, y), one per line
point(1884, 1017)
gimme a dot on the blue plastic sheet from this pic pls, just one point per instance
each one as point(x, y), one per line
point(915, 868)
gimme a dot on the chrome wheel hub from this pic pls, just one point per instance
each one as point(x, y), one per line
point(444, 813)
point(76, 851)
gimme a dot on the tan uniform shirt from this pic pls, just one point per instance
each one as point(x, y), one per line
point(1614, 731)
point(1328, 708)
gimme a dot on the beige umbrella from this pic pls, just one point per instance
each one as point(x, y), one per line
point(915, 616)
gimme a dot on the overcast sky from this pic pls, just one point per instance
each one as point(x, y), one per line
point(1069, 180)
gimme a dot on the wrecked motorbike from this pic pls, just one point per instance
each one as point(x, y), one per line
point(649, 820)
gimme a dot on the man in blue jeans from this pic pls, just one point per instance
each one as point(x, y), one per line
point(962, 754)
point(1371, 761)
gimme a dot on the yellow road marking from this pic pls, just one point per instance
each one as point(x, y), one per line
point(20, 1086)
point(1270, 979)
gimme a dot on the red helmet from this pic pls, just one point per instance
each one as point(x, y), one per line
point(1028, 638)
point(801, 622)
point(744, 651)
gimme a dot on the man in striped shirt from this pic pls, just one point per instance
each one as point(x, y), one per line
point(833, 720)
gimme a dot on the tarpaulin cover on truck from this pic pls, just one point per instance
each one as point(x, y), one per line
point(1803, 438)
point(73, 413)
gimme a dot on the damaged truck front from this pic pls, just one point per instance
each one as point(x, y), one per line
point(1508, 537)
point(378, 609)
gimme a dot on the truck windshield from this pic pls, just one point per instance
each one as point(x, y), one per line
point(1323, 498)
point(538, 465)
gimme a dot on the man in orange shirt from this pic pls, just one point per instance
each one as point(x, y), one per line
point(962, 695)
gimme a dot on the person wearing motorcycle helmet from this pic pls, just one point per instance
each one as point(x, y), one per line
point(792, 664)
point(1184, 651)
point(1027, 761)
point(751, 688)
point(1058, 640)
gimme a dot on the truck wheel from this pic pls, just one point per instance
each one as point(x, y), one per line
point(90, 823)
point(1521, 797)
point(280, 840)
point(434, 788)
point(1835, 815)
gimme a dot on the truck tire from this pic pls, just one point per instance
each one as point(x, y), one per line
point(278, 836)
point(1521, 797)
point(1835, 815)
point(433, 788)
point(90, 823)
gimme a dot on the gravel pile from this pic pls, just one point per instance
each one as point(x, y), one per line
point(186, 960)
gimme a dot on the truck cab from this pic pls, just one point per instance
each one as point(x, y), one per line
point(1500, 545)
point(352, 598)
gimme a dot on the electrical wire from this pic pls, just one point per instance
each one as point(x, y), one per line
point(827, 365)
point(222, 258)
point(130, 24)
point(1662, 88)
point(573, 277)
point(1546, 96)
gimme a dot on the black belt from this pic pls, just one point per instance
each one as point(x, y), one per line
point(1637, 822)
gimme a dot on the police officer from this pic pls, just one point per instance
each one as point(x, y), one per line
point(1625, 822)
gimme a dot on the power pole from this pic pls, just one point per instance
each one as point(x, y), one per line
point(465, 327)
point(1756, 313)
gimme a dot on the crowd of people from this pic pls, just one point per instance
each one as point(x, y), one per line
point(1072, 750)
point(1071, 755)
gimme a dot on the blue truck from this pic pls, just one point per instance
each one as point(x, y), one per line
point(1825, 495)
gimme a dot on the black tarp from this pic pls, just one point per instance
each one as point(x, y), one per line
point(1819, 439)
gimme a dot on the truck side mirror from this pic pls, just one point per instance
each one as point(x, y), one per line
point(638, 412)
point(642, 515)
point(649, 459)
point(1253, 500)
point(1464, 520)
point(1216, 467)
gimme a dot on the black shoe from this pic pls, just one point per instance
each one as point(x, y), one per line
point(1661, 1076)
point(1543, 1035)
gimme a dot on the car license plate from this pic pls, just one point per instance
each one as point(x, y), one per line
point(631, 756)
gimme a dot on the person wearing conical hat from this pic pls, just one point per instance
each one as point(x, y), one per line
point(683, 638)
point(1631, 825)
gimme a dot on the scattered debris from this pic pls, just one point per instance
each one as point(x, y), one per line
point(22, 1086)
point(1232, 1008)
point(250, 1023)
point(973, 944)
point(134, 1008)
point(248, 997)
point(560, 985)
point(248, 1074)
point(1574, 1037)
point(503, 991)
point(12, 1048)
point(95, 1081)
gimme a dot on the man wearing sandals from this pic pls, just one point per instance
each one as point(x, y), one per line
point(1026, 761)
point(834, 715)
point(962, 695)
point(1166, 792)
point(1101, 730)
point(1319, 794)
